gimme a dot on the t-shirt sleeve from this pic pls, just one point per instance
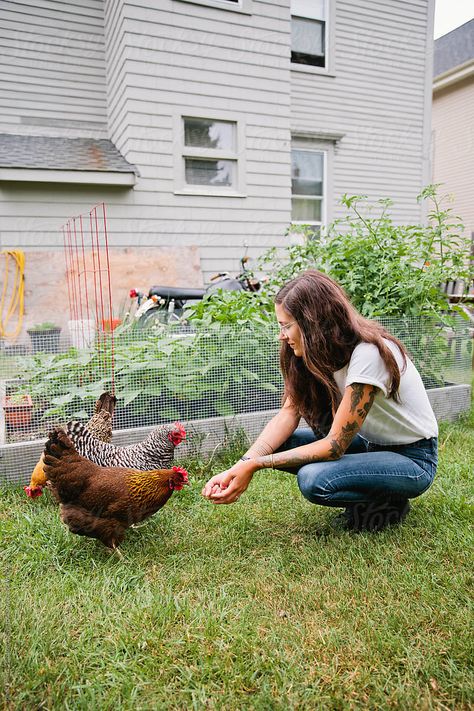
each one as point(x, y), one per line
point(366, 366)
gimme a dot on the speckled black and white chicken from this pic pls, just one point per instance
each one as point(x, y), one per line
point(154, 452)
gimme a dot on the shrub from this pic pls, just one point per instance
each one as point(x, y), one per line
point(389, 271)
point(386, 269)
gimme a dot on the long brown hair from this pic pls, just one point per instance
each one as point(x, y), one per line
point(330, 330)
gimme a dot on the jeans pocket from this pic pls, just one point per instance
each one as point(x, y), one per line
point(425, 454)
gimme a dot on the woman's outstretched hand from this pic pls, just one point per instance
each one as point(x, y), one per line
point(228, 486)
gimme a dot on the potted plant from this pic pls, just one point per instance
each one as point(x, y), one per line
point(44, 337)
point(18, 409)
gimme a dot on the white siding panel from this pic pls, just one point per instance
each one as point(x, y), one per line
point(375, 99)
point(453, 151)
point(176, 58)
point(54, 67)
point(159, 60)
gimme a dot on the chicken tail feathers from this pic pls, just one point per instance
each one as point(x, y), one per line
point(57, 445)
point(60, 464)
point(106, 402)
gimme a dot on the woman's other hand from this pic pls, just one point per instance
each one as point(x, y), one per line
point(228, 486)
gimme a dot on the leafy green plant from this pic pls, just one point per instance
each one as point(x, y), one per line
point(386, 269)
point(240, 309)
point(162, 375)
point(396, 270)
point(65, 384)
point(389, 271)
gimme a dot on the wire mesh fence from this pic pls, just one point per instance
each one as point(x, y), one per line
point(164, 374)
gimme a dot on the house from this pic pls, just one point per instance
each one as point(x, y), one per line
point(453, 119)
point(209, 124)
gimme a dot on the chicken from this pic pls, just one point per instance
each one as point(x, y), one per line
point(99, 425)
point(155, 452)
point(102, 502)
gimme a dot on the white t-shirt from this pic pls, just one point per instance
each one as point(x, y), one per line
point(388, 421)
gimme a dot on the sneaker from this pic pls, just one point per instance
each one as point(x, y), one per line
point(377, 515)
point(345, 518)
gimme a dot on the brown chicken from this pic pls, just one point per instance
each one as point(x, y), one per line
point(100, 426)
point(102, 502)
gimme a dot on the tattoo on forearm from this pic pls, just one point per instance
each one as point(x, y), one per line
point(340, 443)
point(289, 460)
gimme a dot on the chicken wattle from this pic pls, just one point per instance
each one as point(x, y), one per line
point(179, 479)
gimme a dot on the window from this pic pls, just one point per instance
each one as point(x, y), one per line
point(309, 32)
point(308, 187)
point(209, 160)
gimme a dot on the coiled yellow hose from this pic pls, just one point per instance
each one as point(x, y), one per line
point(13, 298)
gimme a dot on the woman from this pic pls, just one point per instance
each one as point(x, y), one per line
point(372, 441)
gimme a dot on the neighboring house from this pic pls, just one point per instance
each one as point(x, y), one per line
point(209, 122)
point(453, 119)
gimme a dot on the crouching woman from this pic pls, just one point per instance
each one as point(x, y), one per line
point(371, 444)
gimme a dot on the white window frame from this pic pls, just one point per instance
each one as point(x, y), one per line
point(182, 151)
point(316, 145)
point(329, 42)
point(242, 6)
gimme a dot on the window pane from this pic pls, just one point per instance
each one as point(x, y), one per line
point(313, 9)
point(209, 172)
point(306, 210)
point(307, 36)
point(205, 133)
point(307, 171)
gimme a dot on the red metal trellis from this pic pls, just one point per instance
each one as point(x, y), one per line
point(86, 250)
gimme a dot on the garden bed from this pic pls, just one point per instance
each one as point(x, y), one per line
point(17, 460)
point(223, 377)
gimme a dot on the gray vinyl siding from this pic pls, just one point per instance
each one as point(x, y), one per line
point(177, 58)
point(376, 99)
point(126, 69)
point(52, 68)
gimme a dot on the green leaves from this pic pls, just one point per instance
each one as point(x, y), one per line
point(212, 371)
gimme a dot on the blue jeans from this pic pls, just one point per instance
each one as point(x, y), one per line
point(366, 472)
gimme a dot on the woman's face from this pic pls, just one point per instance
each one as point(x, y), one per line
point(289, 330)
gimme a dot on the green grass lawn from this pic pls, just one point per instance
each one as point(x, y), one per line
point(259, 605)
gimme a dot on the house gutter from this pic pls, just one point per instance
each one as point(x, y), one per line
point(454, 75)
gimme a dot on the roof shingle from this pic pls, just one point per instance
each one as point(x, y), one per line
point(48, 153)
point(453, 49)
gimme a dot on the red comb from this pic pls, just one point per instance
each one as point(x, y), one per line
point(177, 434)
point(179, 478)
point(33, 491)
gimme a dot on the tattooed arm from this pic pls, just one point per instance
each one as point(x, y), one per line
point(348, 420)
point(236, 479)
point(227, 487)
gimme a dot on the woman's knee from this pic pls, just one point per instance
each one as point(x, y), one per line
point(313, 484)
